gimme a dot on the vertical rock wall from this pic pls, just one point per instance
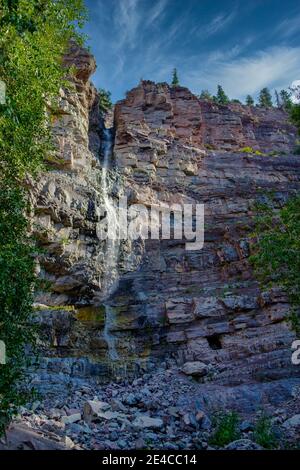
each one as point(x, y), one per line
point(171, 305)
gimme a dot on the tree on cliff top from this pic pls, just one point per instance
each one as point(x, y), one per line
point(221, 97)
point(249, 100)
point(34, 35)
point(205, 95)
point(294, 112)
point(175, 79)
point(265, 98)
point(285, 100)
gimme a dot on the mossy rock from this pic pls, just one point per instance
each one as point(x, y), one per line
point(91, 314)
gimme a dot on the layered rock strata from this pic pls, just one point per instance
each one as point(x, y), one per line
point(170, 305)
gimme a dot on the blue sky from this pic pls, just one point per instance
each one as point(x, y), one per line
point(242, 44)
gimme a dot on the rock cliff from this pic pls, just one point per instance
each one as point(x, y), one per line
point(168, 305)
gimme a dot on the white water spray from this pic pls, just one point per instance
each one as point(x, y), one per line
point(109, 281)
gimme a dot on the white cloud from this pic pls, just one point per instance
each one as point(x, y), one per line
point(127, 22)
point(274, 67)
point(217, 24)
point(156, 12)
point(288, 27)
point(295, 86)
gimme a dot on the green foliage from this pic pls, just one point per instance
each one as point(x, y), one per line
point(297, 150)
point(226, 429)
point(175, 79)
point(294, 109)
point(221, 97)
point(285, 100)
point(276, 253)
point(105, 103)
point(294, 320)
point(31, 48)
point(277, 99)
point(295, 115)
point(249, 100)
point(17, 282)
point(265, 98)
point(34, 35)
point(205, 95)
point(263, 432)
point(250, 150)
point(236, 101)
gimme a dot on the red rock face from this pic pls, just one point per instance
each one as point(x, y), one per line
point(178, 114)
point(170, 304)
point(205, 305)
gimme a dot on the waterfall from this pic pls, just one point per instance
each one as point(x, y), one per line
point(112, 244)
point(108, 336)
point(110, 278)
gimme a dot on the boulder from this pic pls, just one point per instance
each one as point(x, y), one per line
point(93, 408)
point(146, 422)
point(243, 444)
point(293, 422)
point(74, 418)
point(196, 368)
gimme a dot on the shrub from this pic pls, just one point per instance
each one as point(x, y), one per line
point(250, 150)
point(263, 432)
point(226, 429)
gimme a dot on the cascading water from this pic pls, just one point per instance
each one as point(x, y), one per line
point(109, 281)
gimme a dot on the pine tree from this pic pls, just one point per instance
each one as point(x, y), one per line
point(249, 100)
point(105, 102)
point(277, 99)
point(265, 98)
point(285, 99)
point(175, 79)
point(205, 95)
point(294, 109)
point(221, 97)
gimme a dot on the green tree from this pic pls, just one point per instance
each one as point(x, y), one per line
point(221, 97)
point(294, 110)
point(249, 100)
point(205, 95)
point(34, 35)
point(265, 98)
point(105, 103)
point(17, 283)
point(285, 100)
point(276, 253)
point(175, 79)
point(295, 115)
point(277, 99)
